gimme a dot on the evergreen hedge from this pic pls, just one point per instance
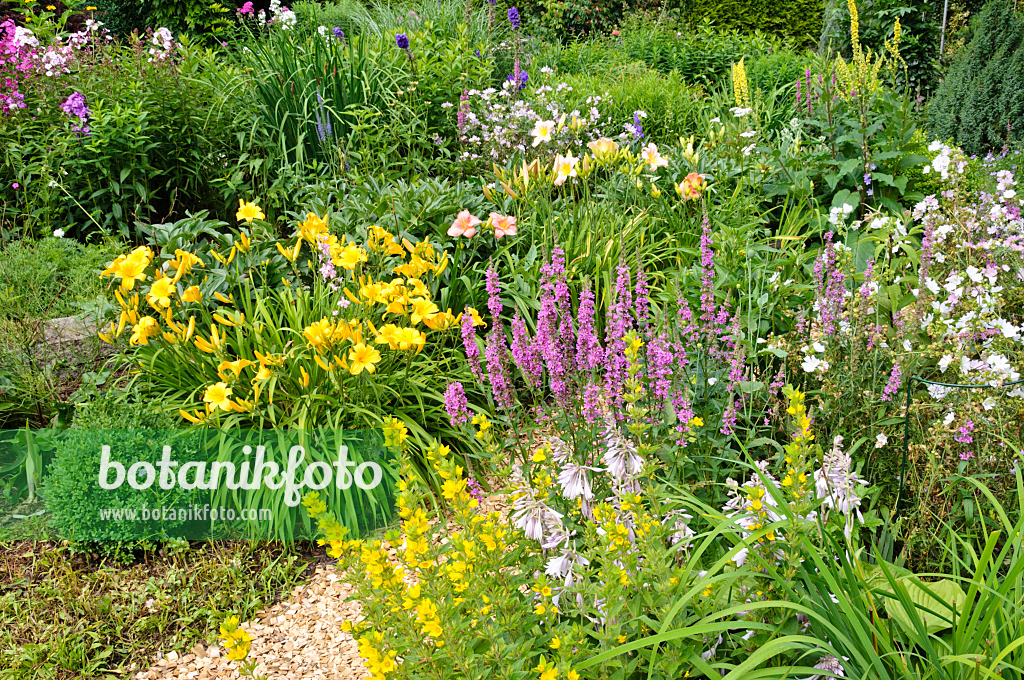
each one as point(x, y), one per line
point(980, 103)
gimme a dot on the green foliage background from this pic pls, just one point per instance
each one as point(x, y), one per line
point(799, 20)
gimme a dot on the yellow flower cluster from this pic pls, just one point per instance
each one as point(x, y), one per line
point(174, 305)
point(860, 76)
point(798, 452)
point(378, 662)
point(235, 639)
point(739, 85)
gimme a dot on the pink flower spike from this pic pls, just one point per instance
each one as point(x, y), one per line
point(504, 225)
point(464, 225)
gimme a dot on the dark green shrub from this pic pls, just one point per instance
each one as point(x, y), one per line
point(72, 492)
point(799, 20)
point(121, 17)
point(980, 103)
point(700, 54)
point(671, 105)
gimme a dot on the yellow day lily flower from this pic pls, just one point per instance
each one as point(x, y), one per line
point(243, 242)
point(225, 300)
point(312, 228)
point(321, 363)
point(423, 310)
point(183, 263)
point(320, 333)
point(197, 418)
point(160, 293)
point(304, 379)
point(263, 374)
point(209, 347)
point(218, 396)
point(249, 211)
point(192, 294)
point(235, 367)
point(363, 358)
point(146, 328)
point(132, 268)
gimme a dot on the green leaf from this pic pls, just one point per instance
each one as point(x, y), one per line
point(934, 603)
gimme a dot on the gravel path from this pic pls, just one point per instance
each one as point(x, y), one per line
point(300, 637)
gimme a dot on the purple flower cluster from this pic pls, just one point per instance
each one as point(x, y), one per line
point(402, 40)
point(456, 404)
point(893, 386)
point(496, 351)
point(965, 430)
point(75, 106)
point(830, 282)
point(513, 17)
point(586, 376)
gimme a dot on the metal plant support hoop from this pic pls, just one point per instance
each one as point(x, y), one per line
point(906, 424)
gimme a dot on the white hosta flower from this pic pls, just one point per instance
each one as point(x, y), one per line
point(562, 565)
point(620, 456)
point(535, 518)
point(575, 482)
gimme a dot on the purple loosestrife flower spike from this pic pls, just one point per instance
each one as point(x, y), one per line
point(496, 353)
point(523, 353)
point(589, 354)
point(493, 287)
point(619, 324)
point(643, 303)
point(456, 404)
point(470, 346)
point(548, 342)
